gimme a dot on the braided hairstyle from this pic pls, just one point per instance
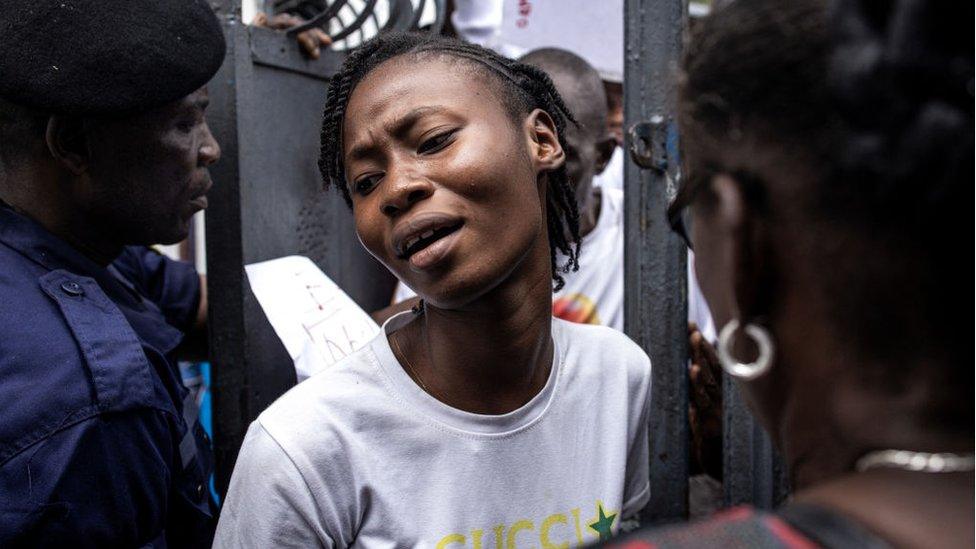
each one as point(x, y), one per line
point(523, 89)
point(862, 111)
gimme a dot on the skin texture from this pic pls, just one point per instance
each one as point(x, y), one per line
point(154, 164)
point(588, 147)
point(102, 184)
point(430, 134)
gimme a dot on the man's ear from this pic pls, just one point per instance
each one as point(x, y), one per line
point(66, 141)
point(604, 150)
point(546, 151)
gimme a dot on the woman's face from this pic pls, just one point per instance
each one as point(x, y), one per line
point(445, 186)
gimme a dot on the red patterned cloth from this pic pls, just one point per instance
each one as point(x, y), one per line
point(746, 527)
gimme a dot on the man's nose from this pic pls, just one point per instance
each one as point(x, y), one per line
point(209, 150)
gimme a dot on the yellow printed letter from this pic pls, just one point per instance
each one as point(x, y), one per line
point(576, 524)
point(520, 525)
point(499, 535)
point(544, 531)
point(450, 538)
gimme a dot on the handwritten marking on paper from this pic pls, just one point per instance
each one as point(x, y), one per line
point(316, 321)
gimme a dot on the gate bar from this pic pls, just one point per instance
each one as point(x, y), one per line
point(655, 305)
point(753, 472)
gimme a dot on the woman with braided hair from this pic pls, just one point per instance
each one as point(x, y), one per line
point(476, 420)
point(828, 156)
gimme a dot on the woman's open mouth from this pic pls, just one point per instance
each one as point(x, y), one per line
point(425, 239)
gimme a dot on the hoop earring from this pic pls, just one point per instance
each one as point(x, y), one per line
point(745, 370)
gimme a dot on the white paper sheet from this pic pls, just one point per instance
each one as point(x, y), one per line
point(592, 30)
point(317, 322)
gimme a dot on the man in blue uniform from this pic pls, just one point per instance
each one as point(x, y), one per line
point(103, 149)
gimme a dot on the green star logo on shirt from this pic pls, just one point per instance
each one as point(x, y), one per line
point(604, 523)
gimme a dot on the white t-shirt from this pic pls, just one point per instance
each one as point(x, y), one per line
point(595, 293)
point(360, 454)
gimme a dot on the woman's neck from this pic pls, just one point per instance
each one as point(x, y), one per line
point(833, 417)
point(490, 356)
point(834, 402)
point(907, 509)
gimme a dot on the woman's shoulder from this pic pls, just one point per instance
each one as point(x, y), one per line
point(330, 400)
point(600, 349)
point(596, 338)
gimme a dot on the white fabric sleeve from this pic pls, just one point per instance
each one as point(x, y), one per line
point(268, 503)
point(637, 490)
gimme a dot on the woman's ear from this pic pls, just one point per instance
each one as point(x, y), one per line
point(746, 256)
point(544, 145)
point(66, 141)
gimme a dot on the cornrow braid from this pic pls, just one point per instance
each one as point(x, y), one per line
point(526, 88)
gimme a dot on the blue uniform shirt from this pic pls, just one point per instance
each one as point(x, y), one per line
point(94, 446)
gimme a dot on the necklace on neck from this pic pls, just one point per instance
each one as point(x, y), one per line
point(417, 311)
point(923, 462)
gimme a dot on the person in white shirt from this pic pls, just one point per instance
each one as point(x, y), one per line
point(476, 420)
point(595, 293)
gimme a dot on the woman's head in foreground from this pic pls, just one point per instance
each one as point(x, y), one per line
point(829, 164)
point(451, 159)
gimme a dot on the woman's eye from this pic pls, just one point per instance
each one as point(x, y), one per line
point(436, 143)
point(365, 184)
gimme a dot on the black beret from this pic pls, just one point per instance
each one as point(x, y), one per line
point(106, 57)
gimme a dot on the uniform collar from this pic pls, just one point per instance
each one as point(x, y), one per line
point(40, 246)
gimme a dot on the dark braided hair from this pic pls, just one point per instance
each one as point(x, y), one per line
point(861, 112)
point(523, 87)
